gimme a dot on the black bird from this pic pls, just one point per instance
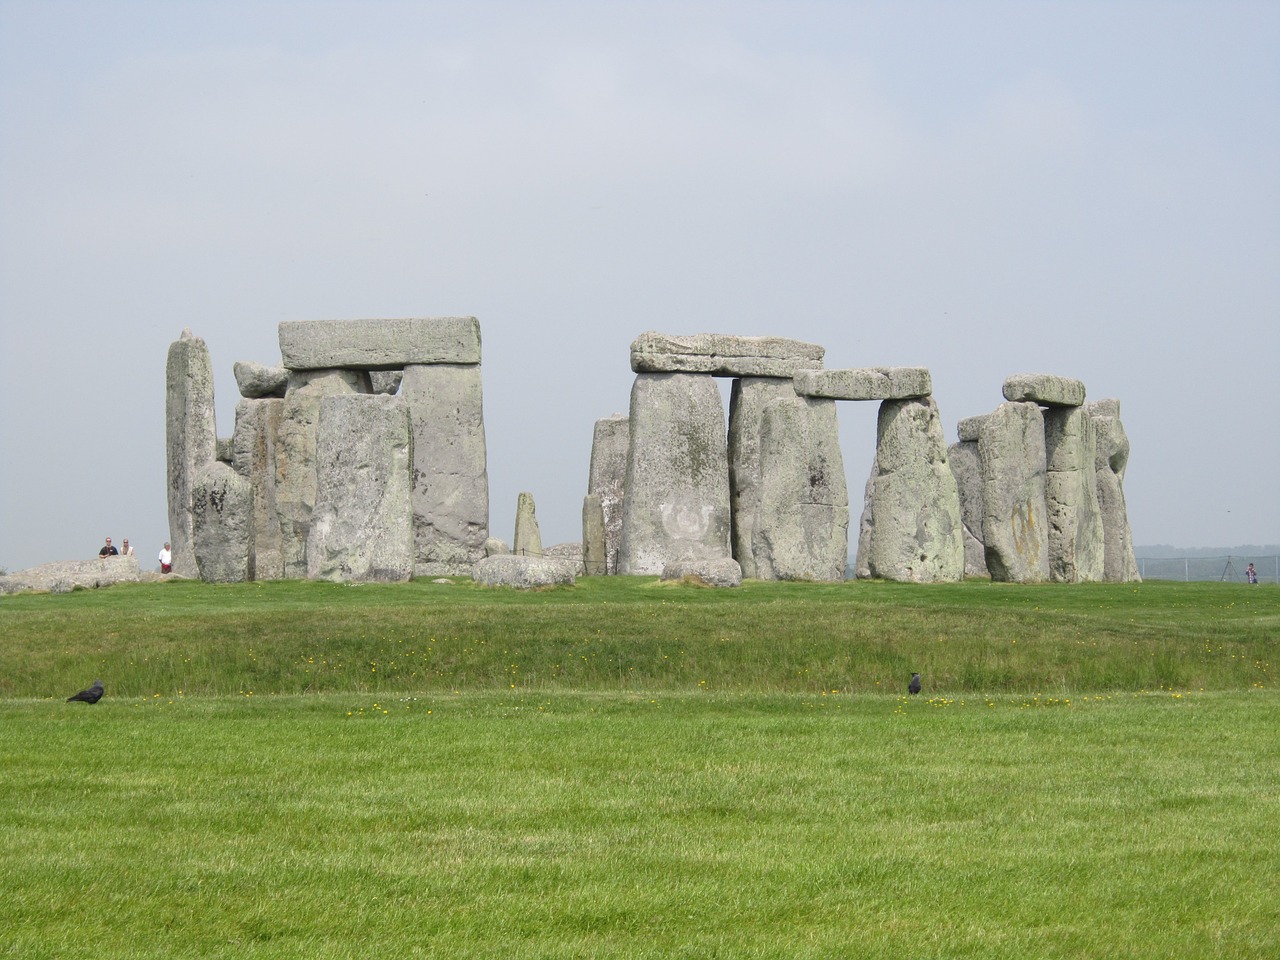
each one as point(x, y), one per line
point(92, 695)
point(914, 685)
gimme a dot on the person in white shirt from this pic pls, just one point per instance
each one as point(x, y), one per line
point(166, 559)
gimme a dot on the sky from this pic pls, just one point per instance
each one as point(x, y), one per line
point(982, 188)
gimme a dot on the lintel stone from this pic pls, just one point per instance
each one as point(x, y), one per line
point(1044, 389)
point(379, 344)
point(865, 383)
point(722, 355)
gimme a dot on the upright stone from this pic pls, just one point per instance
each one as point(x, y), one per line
point(296, 455)
point(914, 526)
point(1014, 525)
point(450, 467)
point(1075, 537)
point(966, 468)
point(254, 458)
point(190, 439)
point(527, 541)
point(594, 550)
point(802, 525)
point(362, 527)
point(677, 503)
point(1111, 460)
point(222, 523)
point(747, 400)
point(608, 477)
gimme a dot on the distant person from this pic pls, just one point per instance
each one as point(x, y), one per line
point(1251, 574)
point(166, 559)
point(108, 550)
point(125, 549)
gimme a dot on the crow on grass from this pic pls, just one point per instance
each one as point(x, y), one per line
point(92, 695)
point(914, 685)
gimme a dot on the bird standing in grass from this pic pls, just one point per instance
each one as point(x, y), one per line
point(92, 695)
point(914, 685)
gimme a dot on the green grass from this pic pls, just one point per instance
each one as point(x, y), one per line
point(623, 633)
point(594, 825)
point(627, 769)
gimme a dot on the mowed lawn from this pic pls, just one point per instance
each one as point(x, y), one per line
point(709, 816)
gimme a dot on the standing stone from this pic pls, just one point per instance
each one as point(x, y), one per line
point(747, 400)
point(296, 455)
point(608, 477)
point(966, 468)
point(915, 532)
point(594, 549)
point(1014, 523)
point(222, 523)
point(254, 458)
point(1075, 537)
point(860, 568)
point(362, 526)
point(450, 467)
point(190, 439)
point(1111, 459)
point(802, 525)
point(677, 503)
point(527, 541)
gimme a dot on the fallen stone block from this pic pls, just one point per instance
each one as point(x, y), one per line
point(522, 573)
point(724, 572)
point(379, 344)
point(258, 381)
point(1044, 389)
point(865, 383)
point(723, 356)
point(63, 576)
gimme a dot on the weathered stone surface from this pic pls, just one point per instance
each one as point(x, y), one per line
point(1044, 389)
point(190, 438)
point(385, 381)
point(802, 526)
point(1014, 523)
point(914, 526)
point(714, 573)
point(610, 442)
point(860, 569)
point(522, 572)
point(296, 456)
point(527, 541)
point(450, 467)
point(254, 458)
point(722, 355)
point(747, 400)
point(865, 383)
point(62, 576)
point(1111, 460)
point(223, 450)
point(970, 428)
point(967, 470)
point(1075, 536)
point(362, 524)
point(379, 344)
point(677, 502)
point(222, 523)
point(257, 380)
point(570, 553)
point(595, 556)
point(493, 547)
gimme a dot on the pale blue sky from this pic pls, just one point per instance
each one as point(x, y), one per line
point(1089, 189)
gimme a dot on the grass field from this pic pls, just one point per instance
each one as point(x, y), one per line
point(624, 769)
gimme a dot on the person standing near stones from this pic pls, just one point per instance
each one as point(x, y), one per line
point(1250, 574)
point(108, 550)
point(125, 549)
point(166, 559)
